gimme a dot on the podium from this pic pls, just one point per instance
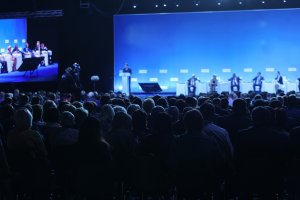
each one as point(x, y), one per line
point(125, 82)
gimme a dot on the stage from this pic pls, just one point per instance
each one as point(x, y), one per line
point(41, 74)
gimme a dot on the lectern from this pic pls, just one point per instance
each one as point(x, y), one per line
point(125, 81)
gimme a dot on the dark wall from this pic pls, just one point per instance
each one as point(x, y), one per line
point(88, 40)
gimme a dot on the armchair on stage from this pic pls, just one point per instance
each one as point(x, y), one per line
point(125, 81)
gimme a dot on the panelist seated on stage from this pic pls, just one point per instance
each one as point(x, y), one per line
point(278, 82)
point(235, 83)
point(192, 85)
point(3, 64)
point(257, 82)
point(213, 84)
point(27, 52)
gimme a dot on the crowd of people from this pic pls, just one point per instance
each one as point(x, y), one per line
point(109, 146)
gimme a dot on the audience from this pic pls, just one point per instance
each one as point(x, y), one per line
point(107, 144)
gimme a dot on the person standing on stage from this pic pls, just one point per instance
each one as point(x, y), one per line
point(235, 83)
point(213, 84)
point(192, 85)
point(278, 81)
point(126, 69)
point(257, 82)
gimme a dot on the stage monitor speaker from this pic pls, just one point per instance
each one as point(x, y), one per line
point(30, 64)
point(150, 87)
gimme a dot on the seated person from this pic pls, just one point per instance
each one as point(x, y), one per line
point(27, 52)
point(235, 83)
point(213, 84)
point(16, 49)
point(43, 47)
point(278, 82)
point(257, 82)
point(192, 85)
point(3, 64)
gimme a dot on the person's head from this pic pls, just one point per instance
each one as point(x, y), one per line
point(281, 117)
point(51, 115)
point(37, 112)
point(258, 73)
point(260, 116)
point(148, 104)
point(278, 73)
point(139, 120)
point(42, 45)
point(239, 107)
point(49, 104)
point(193, 75)
point(163, 124)
point(132, 107)
point(107, 112)
point(126, 66)
point(162, 102)
point(90, 131)
point(121, 121)
point(118, 109)
point(38, 43)
point(9, 48)
point(67, 119)
point(173, 111)
point(193, 121)
point(214, 76)
point(80, 115)
point(27, 44)
point(234, 75)
point(23, 119)
point(208, 111)
point(191, 101)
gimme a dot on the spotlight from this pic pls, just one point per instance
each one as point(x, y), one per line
point(197, 4)
point(177, 5)
point(156, 6)
point(240, 2)
point(134, 6)
point(165, 5)
point(284, 1)
point(263, 2)
point(219, 3)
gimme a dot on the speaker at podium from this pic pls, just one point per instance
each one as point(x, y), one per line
point(150, 87)
point(125, 81)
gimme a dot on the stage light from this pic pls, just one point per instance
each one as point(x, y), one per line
point(165, 5)
point(197, 4)
point(263, 2)
point(240, 2)
point(219, 3)
point(284, 1)
point(177, 5)
point(134, 6)
point(156, 6)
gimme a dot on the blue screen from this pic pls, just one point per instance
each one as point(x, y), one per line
point(12, 31)
point(169, 48)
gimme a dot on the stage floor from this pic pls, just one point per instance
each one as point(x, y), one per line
point(42, 74)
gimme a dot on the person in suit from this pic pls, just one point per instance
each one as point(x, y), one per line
point(235, 82)
point(126, 69)
point(213, 84)
point(26, 49)
point(257, 81)
point(278, 81)
point(43, 47)
point(192, 85)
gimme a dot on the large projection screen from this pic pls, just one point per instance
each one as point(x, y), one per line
point(169, 48)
